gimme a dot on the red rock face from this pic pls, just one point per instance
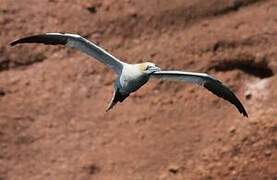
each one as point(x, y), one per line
point(53, 123)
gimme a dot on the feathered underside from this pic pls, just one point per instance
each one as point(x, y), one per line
point(78, 42)
point(205, 80)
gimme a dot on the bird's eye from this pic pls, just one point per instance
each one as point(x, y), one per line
point(147, 67)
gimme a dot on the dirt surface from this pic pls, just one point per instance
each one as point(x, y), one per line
point(53, 123)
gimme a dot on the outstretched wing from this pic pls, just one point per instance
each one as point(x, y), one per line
point(78, 42)
point(210, 83)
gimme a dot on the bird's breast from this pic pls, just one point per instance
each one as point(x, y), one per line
point(131, 80)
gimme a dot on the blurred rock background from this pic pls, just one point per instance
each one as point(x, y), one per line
point(53, 123)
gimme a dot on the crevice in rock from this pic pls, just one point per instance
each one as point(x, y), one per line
point(7, 62)
point(249, 66)
point(92, 169)
point(182, 15)
point(235, 5)
point(92, 9)
point(2, 93)
point(253, 40)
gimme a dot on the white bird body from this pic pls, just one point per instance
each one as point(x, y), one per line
point(132, 76)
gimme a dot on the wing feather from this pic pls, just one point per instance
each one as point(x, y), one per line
point(205, 80)
point(78, 42)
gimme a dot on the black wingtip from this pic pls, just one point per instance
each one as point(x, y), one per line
point(22, 40)
point(239, 106)
point(50, 39)
point(222, 91)
point(13, 43)
point(244, 113)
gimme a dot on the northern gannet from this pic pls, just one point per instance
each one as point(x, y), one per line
point(130, 77)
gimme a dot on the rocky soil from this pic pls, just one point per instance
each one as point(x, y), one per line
point(53, 123)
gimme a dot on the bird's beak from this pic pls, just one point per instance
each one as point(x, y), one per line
point(154, 69)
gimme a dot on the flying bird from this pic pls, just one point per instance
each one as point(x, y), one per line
point(130, 77)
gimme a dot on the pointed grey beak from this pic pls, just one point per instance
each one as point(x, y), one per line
point(154, 69)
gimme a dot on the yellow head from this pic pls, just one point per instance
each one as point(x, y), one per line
point(148, 67)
